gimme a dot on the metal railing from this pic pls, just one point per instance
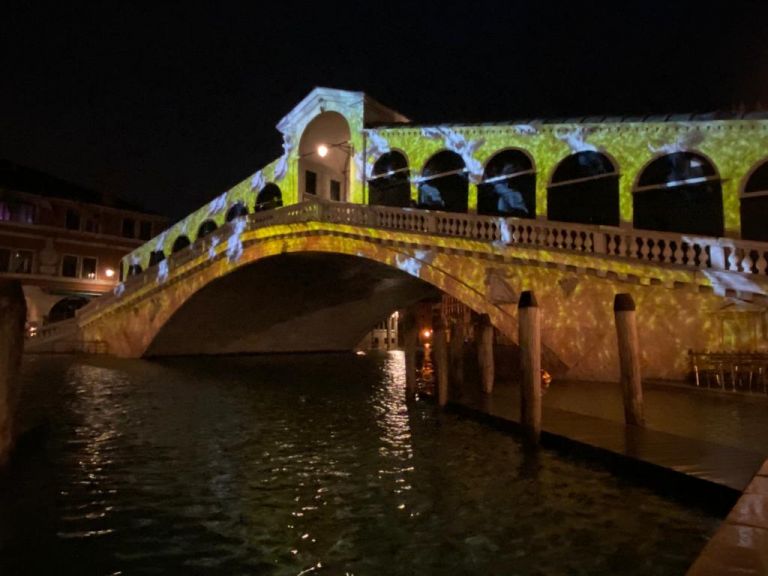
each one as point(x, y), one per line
point(733, 371)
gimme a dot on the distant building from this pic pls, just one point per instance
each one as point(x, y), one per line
point(64, 242)
point(383, 336)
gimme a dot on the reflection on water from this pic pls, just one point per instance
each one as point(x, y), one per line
point(305, 465)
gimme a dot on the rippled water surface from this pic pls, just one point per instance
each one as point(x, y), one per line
point(304, 465)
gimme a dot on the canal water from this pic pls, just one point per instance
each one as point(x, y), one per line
point(304, 465)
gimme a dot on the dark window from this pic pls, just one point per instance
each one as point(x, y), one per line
point(5, 259)
point(310, 182)
point(335, 190)
point(679, 192)
point(238, 209)
point(207, 227)
point(179, 244)
point(269, 197)
point(89, 268)
point(145, 230)
point(73, 219)
point(390, 184)
point(17, 212)
point(509, 186)
point(444, 184)
point(754, 205)
point(156, 257)
point(584, 189)
point(129, 228)
point(69, 266)
point(91, 225)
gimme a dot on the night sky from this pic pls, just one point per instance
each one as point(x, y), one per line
point(169, 106)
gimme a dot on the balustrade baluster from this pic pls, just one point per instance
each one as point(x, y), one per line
point(761, 263)
point(746, 263)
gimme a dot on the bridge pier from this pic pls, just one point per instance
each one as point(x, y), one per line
point(13, 315)
point(629, 359)
point(484, 337)
point(529, 328)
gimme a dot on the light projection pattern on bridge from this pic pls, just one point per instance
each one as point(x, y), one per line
point(733, 146)
point(577, 307)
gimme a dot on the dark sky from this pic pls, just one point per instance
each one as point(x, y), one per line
point(170, 105)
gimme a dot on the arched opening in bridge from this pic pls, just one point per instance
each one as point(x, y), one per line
point(584, 189)
point(325, 151)
point(134, 270)
point(679, 192)
point(509, 186)
point(207, 227)
point(238, 209)
point(66, 308)
point(179, 244)
point(390, 183)
point(155, 257)
point(443, 184)
point(269, 197)
point(754, 205)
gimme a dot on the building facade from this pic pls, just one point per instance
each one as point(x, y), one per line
point(64, 242)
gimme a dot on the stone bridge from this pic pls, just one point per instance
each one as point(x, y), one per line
point(365, 213)
point(318, 275)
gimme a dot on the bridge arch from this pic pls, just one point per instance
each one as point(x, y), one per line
point(584, 188)
point(324, 158)
point(180, 243)
point(754, 203)
point(509, 184)
point(444, 184)
point(268, 198)
point(679, 192)
point(390, 183)
point(206, 228)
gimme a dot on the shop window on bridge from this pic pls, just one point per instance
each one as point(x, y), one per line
point(390, 183)
point(155, 257)
point(238, 209)
point(509, 186)
point(679, 192)
point(270, 197)
point(754, 205)
point(207, 227)
point(443, 184)
point(179, 244)
point(584, 189)
point(22, 212)
point(66, 308)
point(134, 270)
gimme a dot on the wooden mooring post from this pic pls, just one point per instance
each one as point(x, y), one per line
point(13, 315)
point(485, 360)
point(529, 338)
point(629, 358)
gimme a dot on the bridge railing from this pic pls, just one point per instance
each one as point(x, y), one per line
point(701, 252)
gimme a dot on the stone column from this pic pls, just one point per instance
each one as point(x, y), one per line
point(529, 333)
point(629, 359)
point(484, 338)
point(410, 342)
point(13, 314)
point(440, 347)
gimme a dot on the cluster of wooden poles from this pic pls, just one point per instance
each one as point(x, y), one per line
point(529, 340)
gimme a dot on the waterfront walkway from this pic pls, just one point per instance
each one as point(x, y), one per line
point(708, 436)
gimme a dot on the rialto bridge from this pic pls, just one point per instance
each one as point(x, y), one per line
point(366, 213)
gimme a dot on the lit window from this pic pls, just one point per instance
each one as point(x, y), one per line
point(20, 262)
point(89, 268)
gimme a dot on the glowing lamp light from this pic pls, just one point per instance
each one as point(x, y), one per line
point(322, 150)
point(109, 273)
point(426, 333)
